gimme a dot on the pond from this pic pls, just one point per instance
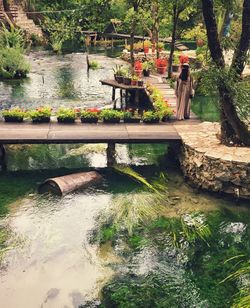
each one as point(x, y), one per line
point(56, 253)
point(61, 80)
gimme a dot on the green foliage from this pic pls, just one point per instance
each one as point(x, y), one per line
point(94, 65)
point(108, 114)
point(14, 113)
point(12, 38)
point(151, 116)
point(41, 112)
point(66, 113)
point(89, 114)
point(13, 63)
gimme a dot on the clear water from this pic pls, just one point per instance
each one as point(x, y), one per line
point(60, 80)
point(49, 260)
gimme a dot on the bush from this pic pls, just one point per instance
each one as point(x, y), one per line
point(12, 38)
point(13, 63)
point(109, 114)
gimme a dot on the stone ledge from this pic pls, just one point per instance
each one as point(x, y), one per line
point(211, 165)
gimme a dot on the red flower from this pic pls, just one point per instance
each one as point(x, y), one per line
point(94, 110)
point(138, 66)
point(161, 62)
point(184, 59)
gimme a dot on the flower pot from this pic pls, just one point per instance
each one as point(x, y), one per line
point(89, 120)
point(138, 73)
point(146, 49)
point(41, 120)
point(65, 120)
point(134, 83)
point(161, 70)
point(160, 49)
point(119, 79)
point(175, 68)
point(140, 83)
point(146, 73)
point(200, 42)
point(10, 119)
point(127, 81)
point(154, 121)
point(166, 119)
point(111, 121)
point(132, 120)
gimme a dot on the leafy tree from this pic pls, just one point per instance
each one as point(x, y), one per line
point(233, 129)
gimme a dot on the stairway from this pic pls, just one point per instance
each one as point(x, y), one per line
point(22, 21)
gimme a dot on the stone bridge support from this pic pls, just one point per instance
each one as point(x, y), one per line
point(3, 165)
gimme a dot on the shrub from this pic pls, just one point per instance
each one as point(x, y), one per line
point(13, 64)
point(12, 38)
point(94, 65)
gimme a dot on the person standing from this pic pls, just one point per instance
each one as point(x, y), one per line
point(184, 91)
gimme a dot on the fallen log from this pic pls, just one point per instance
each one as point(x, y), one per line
point(69, 183)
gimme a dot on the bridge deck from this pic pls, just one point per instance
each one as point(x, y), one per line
point(12, 133)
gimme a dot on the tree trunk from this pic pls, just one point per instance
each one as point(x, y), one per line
point(132, 41)
point(233, 130)
point(240, 55)
point(172, 45)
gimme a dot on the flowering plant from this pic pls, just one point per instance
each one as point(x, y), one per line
point(151, 117)
point(41, 112)
point(161, 62)
point(87, 114)
point(14, 114)
point(138, 66)
point(109, 115)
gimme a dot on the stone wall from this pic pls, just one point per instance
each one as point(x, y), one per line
point(211, 165)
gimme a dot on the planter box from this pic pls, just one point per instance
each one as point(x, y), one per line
point(132, 120)
point(41, 120)
point(9, 119)
point(119, 79)
point(111, 121)
point(66, 120)
point(127, 81)
point(146, 73)
point(90, 120)
point(151, 121)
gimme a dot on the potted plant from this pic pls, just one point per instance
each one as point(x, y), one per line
point(161, 65)
point(138, 68)
point(127, 78)
point(176, 64)
point(134, 80)
point(199, 61)
point(88, 116)
point(146, 66)
point(160, 46)
point(66, 115)
point(41, 114)
point(146, 45)
point(118, 73)
point(130, 117)
point(111, 116)
point(14, 115)
point(166, 114)
point(140, 83)
point(150, 117)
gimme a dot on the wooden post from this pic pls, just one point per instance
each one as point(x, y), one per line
point(121, 99)
point(3, 165)
point(111, 154)
point(113, 97)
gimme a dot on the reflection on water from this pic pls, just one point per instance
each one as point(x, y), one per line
point(60, 80)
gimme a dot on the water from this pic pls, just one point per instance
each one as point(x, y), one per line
point(50, 261)
point(60, 80)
